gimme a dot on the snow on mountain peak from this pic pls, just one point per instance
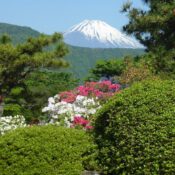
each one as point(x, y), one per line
point(98, 34)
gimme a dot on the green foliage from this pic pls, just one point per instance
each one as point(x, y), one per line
point(18, 34)
point(83, 59)
point(17, 62)
point(15, 102)
point(11, 109)
point(51, 81)
point(106, 68)
point(164, 62)
point(134, 131)
point(135, 70)
point(5, 39)
point(154, 28)
point(44, 150)
point(44, 84)
point(125, 71)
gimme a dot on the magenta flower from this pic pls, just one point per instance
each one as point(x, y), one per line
point(89, 127)
point(115, 87)
point(80, 121)
point(68, 96)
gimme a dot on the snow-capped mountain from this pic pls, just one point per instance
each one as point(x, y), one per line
point(98, 34)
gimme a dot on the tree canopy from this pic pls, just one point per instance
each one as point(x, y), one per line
point(106, 69)
point(154, 28)
point(16, 62)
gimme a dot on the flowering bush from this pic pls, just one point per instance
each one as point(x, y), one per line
point(68, 96)
point(101, 90)
point(8, 123)
point(63, 113)
point(75, 108)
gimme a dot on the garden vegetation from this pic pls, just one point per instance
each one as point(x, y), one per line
point(135, 130)
point(46, 150)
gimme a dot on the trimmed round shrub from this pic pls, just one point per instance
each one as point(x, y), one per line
point(135, 131)
point(43, 150)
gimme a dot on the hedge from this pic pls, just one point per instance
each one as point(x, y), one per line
point(46, 150)
point(135, 131)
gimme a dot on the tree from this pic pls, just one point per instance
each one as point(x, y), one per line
point(154, 28)
point(106, 68)
point(17, 62)
point(134, 71)
point(43, 84)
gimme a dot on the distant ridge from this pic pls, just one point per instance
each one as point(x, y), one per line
point(18, 34)
point(82, 59)
point(98, 34)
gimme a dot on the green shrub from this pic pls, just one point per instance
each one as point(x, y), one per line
point(135, 131)
point(43, 150)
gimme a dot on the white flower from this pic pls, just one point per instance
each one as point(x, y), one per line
point(67, 122)
point(56, 97)
point(63, 103)
point(51, 100)
point(52, 121)
point(45, 109)
point(89, 102)
point(92, 111)
point(6, 119)
point(65, 112)
point(8, 123)
point(80, 98)
point(62, 111)
point(55, 116)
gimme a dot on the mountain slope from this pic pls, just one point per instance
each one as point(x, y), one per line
point(81, 59)
point(18, 34)
point(98, 34)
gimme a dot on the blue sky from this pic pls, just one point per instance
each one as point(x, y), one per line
point(50, 16)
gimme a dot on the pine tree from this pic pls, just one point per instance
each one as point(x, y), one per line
point(154, 28)
point(17, 62)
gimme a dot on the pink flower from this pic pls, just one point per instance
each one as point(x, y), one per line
point(108, 83)
point(89, 127)
point(98, 93)
point(115, 87)
point(68, 96)
point(102, 90)
point(80, 121)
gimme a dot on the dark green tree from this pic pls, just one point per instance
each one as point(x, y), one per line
point(106, 68)
point(44, 84)
point(154, 28)
point(17, 62)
